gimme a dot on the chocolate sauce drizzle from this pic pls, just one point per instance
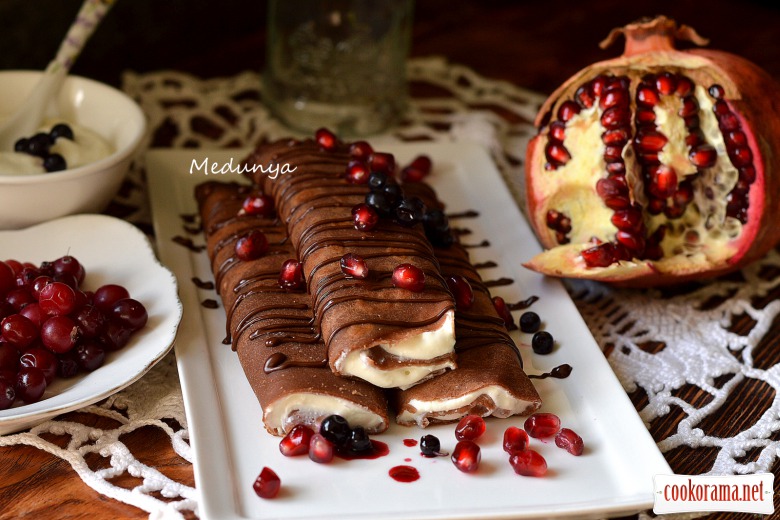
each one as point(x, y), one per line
point(279, 361)
point(210, 304)
point(202, 284)
point(464, 214)
point(523, 304)
point(485, 265)
point(484, 243)
point(560, 372)
point(188, 243)
point(499, 282)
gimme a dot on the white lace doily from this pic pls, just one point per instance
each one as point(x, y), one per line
point(660, 346)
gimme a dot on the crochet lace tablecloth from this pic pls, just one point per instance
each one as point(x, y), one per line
point(660, 346)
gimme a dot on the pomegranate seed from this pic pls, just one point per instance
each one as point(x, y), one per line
point(251, 246)
point(354, 266)
point(528, 463)
point(695, 138)
point(627, 219)
point(613, 153)
point(741, 157)
point(618, 82)
point(611, 187)
point(259, 204)
point(721, 108)
point(461, 291)
point(542, 424)
point(748, 173)
point(326, 139)
point(728, 122)
point(357, 172)
point(703, 156)
point(615, 117)
point(632, 241)
point(689, 107)
point(556, 153)
point(382, 162)
point(422, 163)
point(552, 218)
point(267, 484)
point(504, 313)
point(564, 224)
point(666, 83)
point(291, 275)
point(684, 194)
point(617, 170)
point(716, 91)
point(567, 110)
point(645, 116)
point(647, 95)
point(614, 97)
point(466, 456)
point(736, 138)
point(557, 131)
point(515, 439)
point(365, 217)
point(584, 96)
point(470, 428)
point(296, 442)
point(597, 85)
point(651, 141)
point(360, 150)
point(601, 255)
point(663, 181)
point(412, 174)
point(617, 136)
point(409, 277)
point(569, 441)
point(320, 449)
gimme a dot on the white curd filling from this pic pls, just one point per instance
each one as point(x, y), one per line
point(309, 409)
point(505, 403)
point(424, 346)
point(86, 147)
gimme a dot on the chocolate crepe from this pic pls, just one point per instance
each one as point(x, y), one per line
point(272, 330)
point(388, 336)
point(489, 379)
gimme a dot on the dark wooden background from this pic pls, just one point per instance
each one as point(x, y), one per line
point(533, 44)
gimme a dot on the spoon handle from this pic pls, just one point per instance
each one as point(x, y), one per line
point(87, 19)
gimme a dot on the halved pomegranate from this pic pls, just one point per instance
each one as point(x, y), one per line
point(657, 166)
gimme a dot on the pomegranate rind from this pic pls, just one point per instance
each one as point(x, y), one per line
point(752, 96)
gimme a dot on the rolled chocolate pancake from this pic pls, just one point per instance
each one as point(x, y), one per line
point(388, 336)
point(489, 379)
point(272, 330)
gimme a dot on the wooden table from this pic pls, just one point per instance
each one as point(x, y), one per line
point(532, 44)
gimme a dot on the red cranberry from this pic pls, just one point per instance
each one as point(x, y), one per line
point(90, 320)
point(354, 266)
point(7, 394)
point(18, 330)
point(16, 266)
point(503, 311)
point(71, 266)
point(326, 139)
point(9, 357)
point(67, 366)
point(107, 295)
point(541, 425)
point(26, 276)
point(251, 246)
point(569, 441)
point(42, 359)
point(466, 456)
point(115, 336)
point(130, 313)
point(57, 299)
point(296, 442)
point(365, 217)
point(461, 291)
point(258, 204)
point(59, 334)
point(360, 150)
point(291, 275)
point(320, 449)
point(267, 484)
point(528, 463)
point(470, 428)
point(357, 172)
point(30, 384)
point(7, 278)
point(515, 439)
point(38, 284)
point(20, 297)
point(409, 277)
point(90, 356)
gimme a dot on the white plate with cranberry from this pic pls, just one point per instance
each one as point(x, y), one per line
point(85, 310)
point(612, 476)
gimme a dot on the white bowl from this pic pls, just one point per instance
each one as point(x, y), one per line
point(30, 199)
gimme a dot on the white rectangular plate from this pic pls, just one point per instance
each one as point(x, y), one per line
point(613, 476)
